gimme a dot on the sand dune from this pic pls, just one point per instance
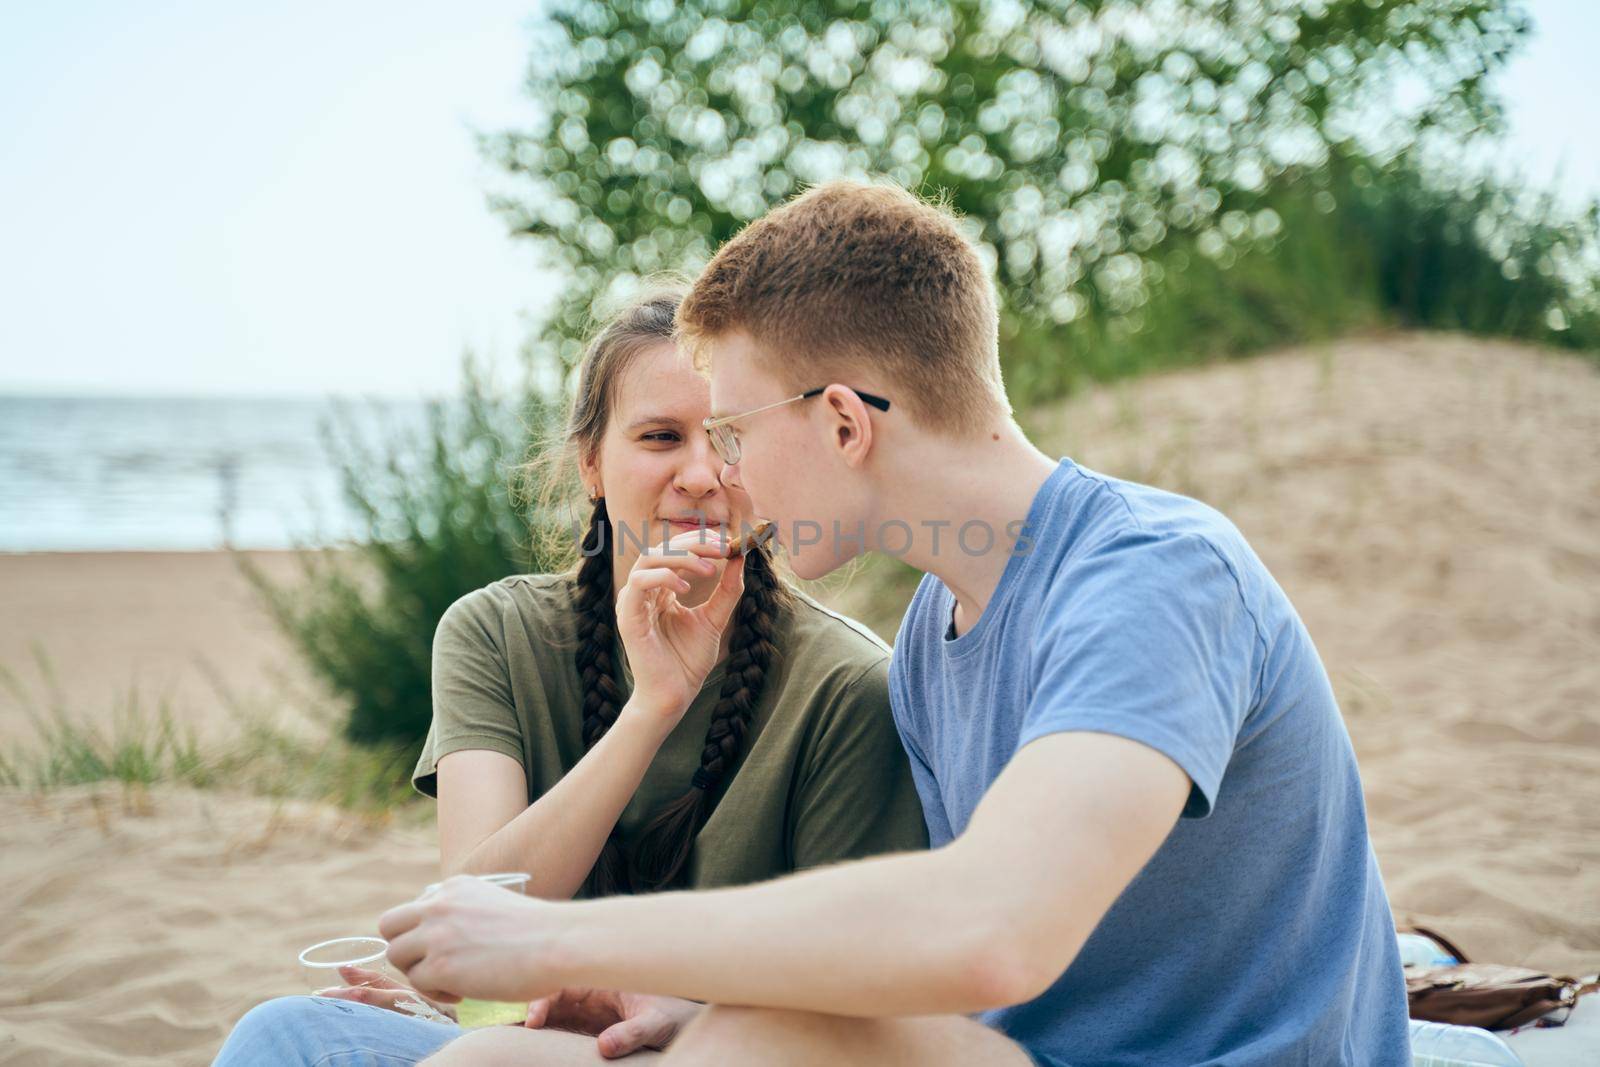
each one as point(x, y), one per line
point(1431, 504)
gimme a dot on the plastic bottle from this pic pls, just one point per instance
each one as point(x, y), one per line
point(1440, 1045)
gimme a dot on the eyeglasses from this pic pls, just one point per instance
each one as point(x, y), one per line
point(726, 441)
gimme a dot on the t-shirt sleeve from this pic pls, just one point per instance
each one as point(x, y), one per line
point(1148, 638)
point(933, 813)
point(472, 703)
point(856, 796)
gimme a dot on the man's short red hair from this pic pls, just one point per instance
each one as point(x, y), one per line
point(851, 276)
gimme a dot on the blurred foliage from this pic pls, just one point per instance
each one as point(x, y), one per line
point(1357, 244)
point(1113, 159)
point(442, 518)
point(1152, 183)
point(1459, 253)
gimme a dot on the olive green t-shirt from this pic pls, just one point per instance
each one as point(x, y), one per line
point(822, 776)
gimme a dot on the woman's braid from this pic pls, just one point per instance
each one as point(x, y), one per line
point(602, 697)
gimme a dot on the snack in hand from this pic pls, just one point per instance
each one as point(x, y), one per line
point(750, 538)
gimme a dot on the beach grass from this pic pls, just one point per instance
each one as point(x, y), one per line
point(142, 743)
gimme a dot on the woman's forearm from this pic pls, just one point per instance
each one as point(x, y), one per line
point(557, 838)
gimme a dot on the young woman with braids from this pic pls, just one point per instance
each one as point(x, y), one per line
point(582, 734)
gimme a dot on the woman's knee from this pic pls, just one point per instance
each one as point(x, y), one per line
point(271, 1029)
point(307, 1030)
point(284, 1011)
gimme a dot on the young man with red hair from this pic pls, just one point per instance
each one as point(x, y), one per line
point(1149, 839)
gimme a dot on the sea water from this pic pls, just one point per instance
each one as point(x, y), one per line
point(180, 473)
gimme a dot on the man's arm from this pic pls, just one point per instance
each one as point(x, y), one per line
point(989, 920)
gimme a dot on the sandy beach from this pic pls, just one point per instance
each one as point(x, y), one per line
point(1430, 503)
point(85, 631)
point(143, 925)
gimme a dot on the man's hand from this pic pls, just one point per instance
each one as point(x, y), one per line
point(620, 1022)
point(472, 939)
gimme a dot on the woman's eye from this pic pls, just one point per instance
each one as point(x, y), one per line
point(665, 435)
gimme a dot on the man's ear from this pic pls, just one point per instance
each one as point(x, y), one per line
point(850, 427)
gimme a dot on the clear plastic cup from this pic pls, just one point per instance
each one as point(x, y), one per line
point(475, 1013)
point(321, 962)
point(516, 881)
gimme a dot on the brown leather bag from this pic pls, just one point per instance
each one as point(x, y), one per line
point(1486, 994)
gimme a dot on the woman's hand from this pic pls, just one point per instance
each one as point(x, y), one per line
point(620, 1023)
point(381, 991)
point(671, 648)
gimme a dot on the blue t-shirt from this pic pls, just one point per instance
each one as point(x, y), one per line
point(1259, 932)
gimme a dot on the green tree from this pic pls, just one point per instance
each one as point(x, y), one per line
point(1086, 143)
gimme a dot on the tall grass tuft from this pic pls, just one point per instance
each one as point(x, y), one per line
point(142, 744)
point(441, 519)
point(136, 745)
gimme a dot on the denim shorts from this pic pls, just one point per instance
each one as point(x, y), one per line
point(325, 1032)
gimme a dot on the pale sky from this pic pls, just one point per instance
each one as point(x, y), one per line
point(221, 198)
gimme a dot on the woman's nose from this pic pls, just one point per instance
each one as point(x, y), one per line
point(700, 476)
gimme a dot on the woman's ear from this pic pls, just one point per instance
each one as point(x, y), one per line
point(589, 472)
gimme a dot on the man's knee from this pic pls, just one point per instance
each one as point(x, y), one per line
point(514, 1046)
point(773, 1037)
point(720, 1033)
point(716, 1027)
point(489, 1047)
